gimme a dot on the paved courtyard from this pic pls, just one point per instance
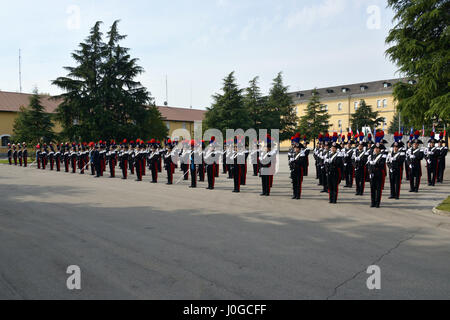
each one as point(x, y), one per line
point(144, 241)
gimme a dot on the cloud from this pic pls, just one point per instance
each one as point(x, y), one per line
point(319, 13)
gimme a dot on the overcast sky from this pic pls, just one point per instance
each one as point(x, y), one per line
point(315, 43)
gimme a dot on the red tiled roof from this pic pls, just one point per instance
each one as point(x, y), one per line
point(182, 114)
point(12, 101)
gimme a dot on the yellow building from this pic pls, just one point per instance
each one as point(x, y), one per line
point(10, 103)
point(342, 101)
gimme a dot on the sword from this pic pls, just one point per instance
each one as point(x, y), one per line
point(183, 176)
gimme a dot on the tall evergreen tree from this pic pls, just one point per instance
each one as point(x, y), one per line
point(280, 111)
point(228, 110)
point(255, 104)
point(33, 124)
point(316, 118)
point(419, 46)
point(102, 99)
point(365, 117)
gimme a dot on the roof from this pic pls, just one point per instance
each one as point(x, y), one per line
point(12, 101)
point(362, 88)
point(182, 114)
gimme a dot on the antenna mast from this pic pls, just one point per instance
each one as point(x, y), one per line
point(20, 71)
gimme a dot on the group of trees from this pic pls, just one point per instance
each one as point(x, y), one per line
point(101, 99)
point(237, 108)
point(34, 124)
point(419, 45)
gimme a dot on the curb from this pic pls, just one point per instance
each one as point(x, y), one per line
point(440, 212)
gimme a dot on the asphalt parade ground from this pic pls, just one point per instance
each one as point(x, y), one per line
point(137, 240)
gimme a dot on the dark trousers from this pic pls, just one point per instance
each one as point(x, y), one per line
point(10, 161)
point(333, 186)
point(237, 174)
point(170, 169)
point(324, 179)
point(297, 180)
point(407, 170)
point(376, 182)
point(432, 172)
point(414, 179)
point(124, 169)
point(193, 177)
point(319, 174)
point(441, 170)
point(154, 169)
point(266, 181)
point(201, 172)
point(243, 169)
point(348, 172)
point(255, 170)
point(395, 178)
point(210, 176)
point(185, 169)
point(230, 171)
point(360, 180)
point(98, 168)
point(112, 168)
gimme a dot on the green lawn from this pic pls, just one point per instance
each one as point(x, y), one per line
point(445, 206)
point(6, 161)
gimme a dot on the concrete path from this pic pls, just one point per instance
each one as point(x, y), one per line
point(144, 241)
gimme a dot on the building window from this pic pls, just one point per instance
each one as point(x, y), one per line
point(184, 125)
point(385, 104)
point(168, 125)
point(386, 84)
point(5, 140)
point(340, 124)
point(324, 107)
point(356, 104)
point(339, 106)
point(344, 90)
point(378, 103)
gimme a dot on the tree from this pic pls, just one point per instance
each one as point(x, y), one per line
point(228, 110)
point(33, 124)
point(365, 117)
point(280, 110)
point(399, 121)
point(316, 118)
point(419, 46)
point(102, 100)
point(255, 104)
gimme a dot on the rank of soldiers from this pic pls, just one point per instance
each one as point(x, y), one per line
point(355, 159)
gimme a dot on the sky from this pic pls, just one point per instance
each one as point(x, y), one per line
point(195, 44)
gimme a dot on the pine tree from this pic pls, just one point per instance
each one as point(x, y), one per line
point(316, 118)
point(419, 46)
point(33, 124)
point(102, 99)
point(255, 104)
point(228, 110)
point(280, 110)
point(365, 117)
